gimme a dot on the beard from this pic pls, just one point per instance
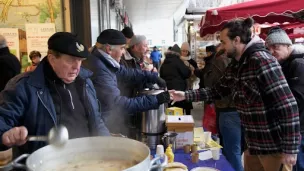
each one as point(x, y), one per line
point(232, 53)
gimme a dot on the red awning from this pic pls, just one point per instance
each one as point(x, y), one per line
point(288, 29)
point(261, 11)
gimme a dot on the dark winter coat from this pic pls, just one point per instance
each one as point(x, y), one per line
point(9, 66)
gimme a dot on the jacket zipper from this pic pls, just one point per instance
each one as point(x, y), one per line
point(71, 97)
point(46, 108)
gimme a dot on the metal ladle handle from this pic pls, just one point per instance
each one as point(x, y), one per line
point(37, 138)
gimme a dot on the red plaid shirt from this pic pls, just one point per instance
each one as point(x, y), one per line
point(267, 108)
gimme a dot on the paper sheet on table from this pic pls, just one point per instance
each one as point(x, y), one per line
point(205, 155)
point(200, 136)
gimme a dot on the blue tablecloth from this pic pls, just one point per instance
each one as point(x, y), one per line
point(222, 164)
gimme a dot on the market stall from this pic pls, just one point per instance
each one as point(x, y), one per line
point(261, 11)
point(290, 29)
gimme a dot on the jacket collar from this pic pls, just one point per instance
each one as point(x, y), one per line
point(37, 77)
point(108, 64)
point(256, 44)
point(133, 56)
point(128, 56)
point(292, 56)
point(4, 51)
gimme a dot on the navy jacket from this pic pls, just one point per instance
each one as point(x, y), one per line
point(105, 82)
point(26, 101)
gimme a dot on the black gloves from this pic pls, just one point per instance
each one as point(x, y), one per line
point(161, 83)
point(163, 97)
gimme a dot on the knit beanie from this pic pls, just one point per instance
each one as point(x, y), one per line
point(176, 49)
point(277, 36)
point(128, 32)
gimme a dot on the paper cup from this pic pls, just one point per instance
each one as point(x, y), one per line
point(187, 148)
point(215, 153)
point(194, 157)
point(160, 150)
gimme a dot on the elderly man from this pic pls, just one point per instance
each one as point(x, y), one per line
point(291, 59)
point(59, 91)
point(267, 107)
point(9, 64)
point(107, 53)
point(134, 55)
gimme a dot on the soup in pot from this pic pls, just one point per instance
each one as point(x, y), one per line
point(95, 165)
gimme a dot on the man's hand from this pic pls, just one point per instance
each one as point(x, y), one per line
point(15, 136)
point(177, 96)
point(289, 159)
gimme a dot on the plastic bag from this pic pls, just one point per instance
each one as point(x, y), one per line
point(209, 118)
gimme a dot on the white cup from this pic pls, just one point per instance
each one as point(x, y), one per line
point(215, 153)
point(207, 136)
point(160, 150)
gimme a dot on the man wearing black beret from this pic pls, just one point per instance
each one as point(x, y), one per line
point(105, 65)
point(59, 91)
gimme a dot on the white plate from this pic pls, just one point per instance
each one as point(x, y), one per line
point(204, 169)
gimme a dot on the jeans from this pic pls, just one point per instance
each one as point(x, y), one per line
point(300, 160)
point(156, 65)
point(231, 131)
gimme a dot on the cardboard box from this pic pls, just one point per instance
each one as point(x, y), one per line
point(183, 126)
point(174, 111)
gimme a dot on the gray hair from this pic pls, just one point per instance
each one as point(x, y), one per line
point(103, 46)
point(136, 39)
point(3, 42)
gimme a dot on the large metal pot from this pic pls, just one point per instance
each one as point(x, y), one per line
point(88, 149)
point(153, 122)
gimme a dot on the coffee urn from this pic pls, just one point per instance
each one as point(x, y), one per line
point(153, 122)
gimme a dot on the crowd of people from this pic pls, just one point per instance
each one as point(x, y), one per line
point(256, 87)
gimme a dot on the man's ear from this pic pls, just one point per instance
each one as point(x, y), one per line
point(108, 49)
point(51, 58)
point(237, 40)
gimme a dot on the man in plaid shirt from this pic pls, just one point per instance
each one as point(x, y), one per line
point(268, 109)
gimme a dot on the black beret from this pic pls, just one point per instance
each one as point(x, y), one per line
point(67, 43)
point(111, 37)
point(127, 32)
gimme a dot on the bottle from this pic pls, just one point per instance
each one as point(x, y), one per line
point(169, 153)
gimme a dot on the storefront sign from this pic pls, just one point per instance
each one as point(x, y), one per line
point(37, 36)
point(12, 37)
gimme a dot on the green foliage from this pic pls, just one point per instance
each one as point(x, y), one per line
point(44, 10)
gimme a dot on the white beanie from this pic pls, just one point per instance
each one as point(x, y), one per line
point(277, 36)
